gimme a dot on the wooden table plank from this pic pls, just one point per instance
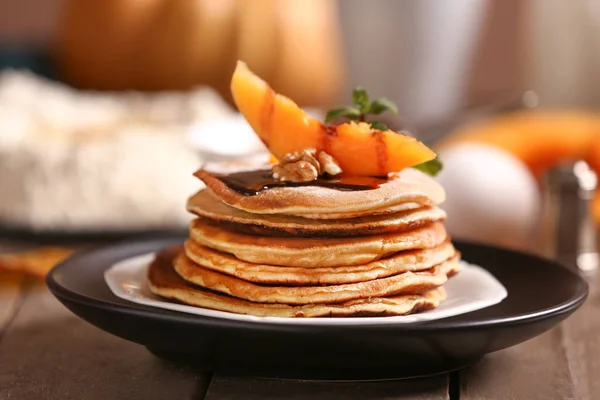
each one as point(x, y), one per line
point(49, 353)
point(227, 387)
point(582, 344)
point(11, 286)
point(536, 369)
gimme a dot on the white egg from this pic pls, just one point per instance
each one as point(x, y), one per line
point(491, 196)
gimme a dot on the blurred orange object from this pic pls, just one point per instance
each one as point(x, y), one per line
point(36, 262)
point(593, 160)
point(177, 44)
point(11, 280)
point(541, 139)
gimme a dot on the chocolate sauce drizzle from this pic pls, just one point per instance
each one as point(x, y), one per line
point(250, 183)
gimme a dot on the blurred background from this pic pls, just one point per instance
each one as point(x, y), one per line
point(108, 106)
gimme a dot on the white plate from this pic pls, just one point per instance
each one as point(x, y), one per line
point(472, 289)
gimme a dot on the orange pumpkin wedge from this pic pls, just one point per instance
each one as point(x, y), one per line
point(284, 127)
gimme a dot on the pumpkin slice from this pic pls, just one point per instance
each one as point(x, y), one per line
point(284, 127)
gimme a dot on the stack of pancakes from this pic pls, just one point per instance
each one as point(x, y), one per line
point(312, 251)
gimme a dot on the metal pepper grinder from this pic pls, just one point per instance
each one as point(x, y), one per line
point(571, 231)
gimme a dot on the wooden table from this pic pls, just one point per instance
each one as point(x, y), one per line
point(48, 353)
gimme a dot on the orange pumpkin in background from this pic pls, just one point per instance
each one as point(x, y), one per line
point(541, 138)
point(178, 44)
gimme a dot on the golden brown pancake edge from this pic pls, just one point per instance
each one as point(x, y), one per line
point(406, 261)
point(206, 205)
point(164, 282)
point(401, 284)
point(406, 187)
point(313, 252)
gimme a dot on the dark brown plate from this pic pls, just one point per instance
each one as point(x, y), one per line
point(541, 293)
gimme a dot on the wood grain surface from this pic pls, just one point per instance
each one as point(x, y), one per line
point(581, 343)
point(48, 353)
point(12, 289)
point(534, 370)
point(229, 388)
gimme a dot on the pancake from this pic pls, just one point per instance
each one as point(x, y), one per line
point(205, 205)
point(313, 252)
point(407, 189)
point(164, 282)
point(406, 261)
point(357, 214)
point(405, 283)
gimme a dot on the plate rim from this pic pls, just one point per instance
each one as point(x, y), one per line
point(441, 325)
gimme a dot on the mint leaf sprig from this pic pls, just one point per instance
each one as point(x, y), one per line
point(431, 167)
point(362, 107)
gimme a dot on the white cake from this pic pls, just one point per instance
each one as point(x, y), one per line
point(72, 161)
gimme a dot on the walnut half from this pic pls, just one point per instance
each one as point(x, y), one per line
point(328, 164)
point(305, 166)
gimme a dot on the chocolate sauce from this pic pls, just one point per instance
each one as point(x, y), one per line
point(250, 183)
